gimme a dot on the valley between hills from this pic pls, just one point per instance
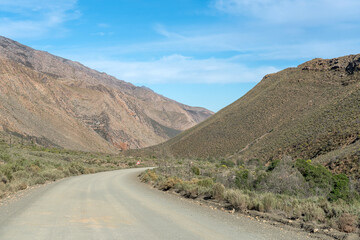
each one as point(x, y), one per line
point(287, 152)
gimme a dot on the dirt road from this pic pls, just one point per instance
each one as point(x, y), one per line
point(115, 205)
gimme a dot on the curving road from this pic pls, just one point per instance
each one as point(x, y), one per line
point(115, 205)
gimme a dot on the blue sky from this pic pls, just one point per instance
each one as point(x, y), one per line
point(200, 52)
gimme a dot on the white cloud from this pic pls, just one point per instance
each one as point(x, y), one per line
point(103, 25)
point(303, 12)
point(164, 32)
point(250, 46)
point(36, 5)
point(181, 69)
point(35, 18)
point(309, 50)
point(102, 34)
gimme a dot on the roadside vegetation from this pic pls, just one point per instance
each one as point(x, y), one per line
point(296, 192)
point(23, 164)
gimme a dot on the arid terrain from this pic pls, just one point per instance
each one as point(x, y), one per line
point(58, 102)
point(308, 112)
point(288, 150)
point(286, 153)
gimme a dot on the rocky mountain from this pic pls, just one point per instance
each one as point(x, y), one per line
point(58, 102)
point(310, 112)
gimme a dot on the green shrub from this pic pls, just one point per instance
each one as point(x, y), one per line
point(333, 186)
point(341, 188)
point(195, 170)
point(240, 162)
point(52, 174)
point(273, 165)
point(207, 182)
point(5, 157)
point(227, 163)
point(319, 178)
point(7, 171)
point(242, 179)
point(76, 168)
point(282, 179)
point(21, 175)
point(37, 163)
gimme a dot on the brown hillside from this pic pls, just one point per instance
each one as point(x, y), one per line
point(63, 103)
point(304, 112)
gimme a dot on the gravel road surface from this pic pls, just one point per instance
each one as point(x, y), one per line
point(116, 205)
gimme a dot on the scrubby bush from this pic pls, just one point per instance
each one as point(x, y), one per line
point(323, 182)
point(21, 175)
point(242, 179)
point(218, 191)
point(256, 204)
point(318, 177)
point(5, 156)
point(76, 168)
point(227, 162)
point(3, 179)
point(7, 172)
point(20, 186)
point(195, 170)
point(312, 211)
point(52, 174)
point(273, 165)
point(347, 223)
point(293, 189)
point(34, 169)
point(341, 188)
point(237, 199)
point(169, 183)
point(282, 179)
point(207, 182)
point(268, 201)
point(149, 176)
point(39, 180)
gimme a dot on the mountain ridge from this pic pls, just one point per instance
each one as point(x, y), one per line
point(305, 112)
point(113, 113)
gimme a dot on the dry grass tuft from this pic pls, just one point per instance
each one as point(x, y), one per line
point(347, 223)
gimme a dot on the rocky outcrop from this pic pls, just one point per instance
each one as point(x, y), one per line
point(348, 64)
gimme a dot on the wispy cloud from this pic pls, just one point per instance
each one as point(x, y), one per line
point(34, 18)
point(182, 69)
point(102, 34)
point(103, 25)
point(253, 45)
point(304, 12)
point(255, 33)
point(295, 29)
point(161, 29)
